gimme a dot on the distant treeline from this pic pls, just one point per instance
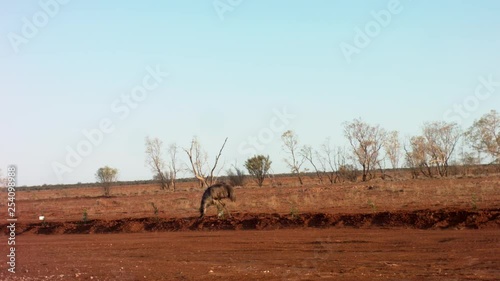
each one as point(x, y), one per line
point(402, 173)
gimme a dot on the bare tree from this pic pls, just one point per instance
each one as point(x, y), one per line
point(236, 177)
point(417, 157)
point(466, 158)
point(106, 176)
point(433, 149)
point(197, 159)
point(172, 166)
point(441, 139)
point(212, 178)
point(199, 166)
point(335, 163)
point(392, 148)
point(154, 160)
point(308, 154)
point(295, 160)
point(327, 161)
point(366, 142)
point(484, 135)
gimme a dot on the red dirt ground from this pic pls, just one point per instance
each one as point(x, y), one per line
point(299, 254)
point(432, 229)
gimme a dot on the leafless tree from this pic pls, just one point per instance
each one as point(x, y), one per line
point(392, 147)
point(346, 170)
point(327, 161)
point(295, 160)
point(433, 149)
point(173, 166)
point(484, 135)
point(236, 177)
point(308, 153)
point(199, 165)
point(198, 160)
point(366, 142)
point(106, 176)
point(154, 160)
point(467, 158)
point(417, 157)
point(335, 163)
point(442, 139)
point(212, 178)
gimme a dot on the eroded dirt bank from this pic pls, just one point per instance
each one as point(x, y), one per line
point(420, 219)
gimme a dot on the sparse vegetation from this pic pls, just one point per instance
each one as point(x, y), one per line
point(473, 202)
point(366, 142)
point(295, 160)
point(155, 211)
point(258, 166)
point(154, 160)
point(484, 136)
point(327, 160)
point(294, 212)
point(310, 155)
point(348, 172)
point(173, 166)
point(372, 205)
point(198, 159)
point(85, 216)
point(107, 176)
point(392, 148)
point(430, 153)
point(236, 177)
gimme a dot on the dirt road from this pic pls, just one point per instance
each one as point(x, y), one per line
point(301, 254)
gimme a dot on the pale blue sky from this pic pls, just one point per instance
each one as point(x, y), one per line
point(227, 76)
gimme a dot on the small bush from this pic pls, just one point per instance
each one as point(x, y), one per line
point(473, 202)
point(372, 205)
point(294, 212)
point(236, 177)
point(85, 216)
point(155, 210)
point(348, 172)
point(258, 166)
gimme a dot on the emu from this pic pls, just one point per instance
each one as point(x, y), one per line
point(213, 196)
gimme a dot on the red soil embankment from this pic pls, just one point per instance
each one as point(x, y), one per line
point(420, 219)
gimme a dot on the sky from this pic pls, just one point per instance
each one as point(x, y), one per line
point(83, 83)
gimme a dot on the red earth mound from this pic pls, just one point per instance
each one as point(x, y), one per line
point(420, 219)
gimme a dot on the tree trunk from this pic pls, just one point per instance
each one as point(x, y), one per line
point(364, 172)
